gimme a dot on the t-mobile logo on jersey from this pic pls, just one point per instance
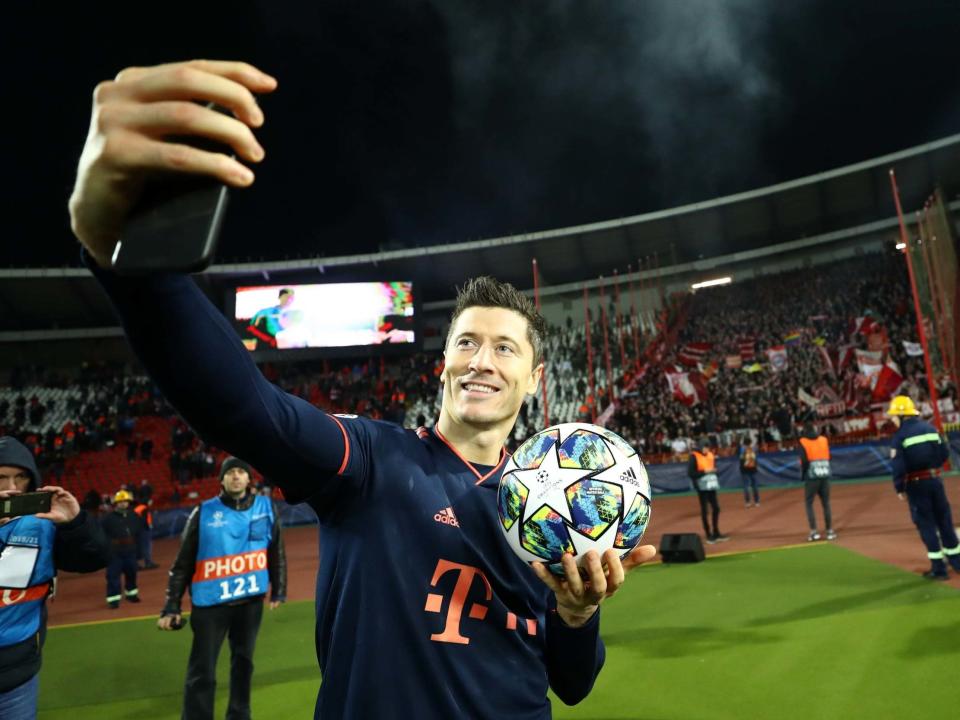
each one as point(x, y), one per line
point(478, 611)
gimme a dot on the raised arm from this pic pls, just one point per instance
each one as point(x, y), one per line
point(202, 368)
point(186, 345)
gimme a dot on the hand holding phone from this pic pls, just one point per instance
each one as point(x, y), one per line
point(31, 503)
point(133, 119)
point(175, 225)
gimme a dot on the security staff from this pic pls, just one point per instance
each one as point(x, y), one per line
point(145, 547)
point(702, 470)
point(918, 453)
point(815, 466)
point(230, 549)
point(123, 528)
point(32, 549)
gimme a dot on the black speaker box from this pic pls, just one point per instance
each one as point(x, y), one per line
point(681, 548)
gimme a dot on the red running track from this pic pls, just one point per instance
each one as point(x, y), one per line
point(868, 517)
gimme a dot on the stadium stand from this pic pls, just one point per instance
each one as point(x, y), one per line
point(756, 357)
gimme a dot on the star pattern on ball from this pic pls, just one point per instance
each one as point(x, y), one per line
point(633, 479)
point(555, 479)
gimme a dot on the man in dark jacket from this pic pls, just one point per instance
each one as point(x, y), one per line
point(918, 454)
point(230, 549)
point(123, 527)
point(32, 549)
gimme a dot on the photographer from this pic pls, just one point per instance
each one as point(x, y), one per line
point(235, 524)
point(32, 549)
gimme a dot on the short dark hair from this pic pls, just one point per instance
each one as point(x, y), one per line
point(485, 291)
point(285, 291)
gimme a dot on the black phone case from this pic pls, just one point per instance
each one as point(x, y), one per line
point(25, 504)
point(174, 228)
point(175, 225)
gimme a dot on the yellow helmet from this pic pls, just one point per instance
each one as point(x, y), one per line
point(123, 496)
point(902, 405)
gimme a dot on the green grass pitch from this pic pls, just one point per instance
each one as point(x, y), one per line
point(810, 632)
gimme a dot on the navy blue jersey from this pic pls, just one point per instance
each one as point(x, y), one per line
point(423, 611)
point(916, 446)
point(413, 560)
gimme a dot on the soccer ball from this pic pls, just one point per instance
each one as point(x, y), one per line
point(572, 488)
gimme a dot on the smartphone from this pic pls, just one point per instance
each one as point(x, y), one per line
point(175, 225)
point(25, 504)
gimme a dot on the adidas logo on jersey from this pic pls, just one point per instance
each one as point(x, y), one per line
point(447, 517)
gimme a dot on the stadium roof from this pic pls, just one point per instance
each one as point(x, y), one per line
point(821, 208)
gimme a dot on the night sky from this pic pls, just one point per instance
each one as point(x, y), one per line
point(402, 122)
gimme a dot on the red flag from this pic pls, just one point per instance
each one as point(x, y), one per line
point(682, 388)
point(869, 362)
point(747, 348)
point(889, 380)
point(862, 325)
point(699, 384)
point(693, 353)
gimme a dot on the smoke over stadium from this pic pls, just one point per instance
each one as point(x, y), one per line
point(519, 305)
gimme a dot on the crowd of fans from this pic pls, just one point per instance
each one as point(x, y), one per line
point(803, 311)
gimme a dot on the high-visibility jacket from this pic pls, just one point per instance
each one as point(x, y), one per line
point(706, 462)
point(816, 457)
point(143, 510)
point(706, 471)
point(818, 449)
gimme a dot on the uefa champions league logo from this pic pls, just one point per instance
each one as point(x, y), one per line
point(546, 481)
point(218, 521)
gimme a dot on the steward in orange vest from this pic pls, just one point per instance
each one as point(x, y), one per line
point(145, 543)
point(702, 469)
point(703, 465)
point(815, 465)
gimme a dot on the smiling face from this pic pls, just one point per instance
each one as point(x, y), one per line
point(488, 368)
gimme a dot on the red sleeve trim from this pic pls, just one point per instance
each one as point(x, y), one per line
point(346, 445)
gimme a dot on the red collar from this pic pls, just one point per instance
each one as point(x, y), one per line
point(473, 469)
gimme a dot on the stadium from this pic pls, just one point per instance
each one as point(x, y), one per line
point(732, 323)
